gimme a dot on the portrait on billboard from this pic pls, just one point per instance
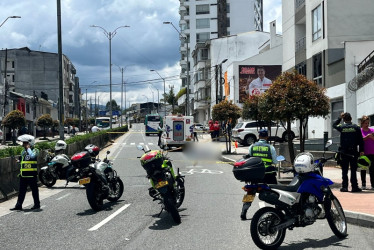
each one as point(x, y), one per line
point(256, 79)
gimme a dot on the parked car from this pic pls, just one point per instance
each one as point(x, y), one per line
point(246, 133)
point(201, 127)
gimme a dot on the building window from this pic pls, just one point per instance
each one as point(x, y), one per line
point(27, 108)
point(204, 54)
point(301, 68)
point(228, 22)
point(227, 8)
point(317, 68)
point(317, 22)
point(202, 23)
point(202, 37)
point(202, 9)
point(336, 109)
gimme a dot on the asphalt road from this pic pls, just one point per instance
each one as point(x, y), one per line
point(210, 213)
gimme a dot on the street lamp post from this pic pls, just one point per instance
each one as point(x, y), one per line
point(153, 70)
point(110, 35)
point(220, 78)
point(187, 70)
point(8, 18)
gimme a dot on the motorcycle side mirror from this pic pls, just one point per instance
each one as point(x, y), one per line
point(107, 152)
point(139, 147)
point(280, 158)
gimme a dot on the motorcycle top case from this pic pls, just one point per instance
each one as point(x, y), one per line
point(92, 149)
point(249, 170)
point(81, 160)
point(152, 161)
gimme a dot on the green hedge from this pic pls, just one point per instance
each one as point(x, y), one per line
point(16, 150)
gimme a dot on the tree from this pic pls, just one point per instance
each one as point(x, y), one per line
point(114, 106)
point(14, 120)
point(45, 121)
point(171, 99)
point(293, 96)
point(228, 113)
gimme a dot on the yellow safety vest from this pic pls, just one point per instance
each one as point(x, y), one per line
point(28, 168)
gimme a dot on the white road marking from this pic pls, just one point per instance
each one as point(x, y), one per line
point(150, 143)
point(62, 197)
point(102, 223)
point(132, 143)
point(141, 143)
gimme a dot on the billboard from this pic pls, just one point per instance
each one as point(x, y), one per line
point(256, 79)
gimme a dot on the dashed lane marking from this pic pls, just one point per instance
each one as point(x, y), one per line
point(106, 220)
point(62, 197)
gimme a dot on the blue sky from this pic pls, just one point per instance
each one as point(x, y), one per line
point(146, 44)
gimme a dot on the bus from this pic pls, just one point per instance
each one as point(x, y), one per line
point(151, 123)
point(102, 122)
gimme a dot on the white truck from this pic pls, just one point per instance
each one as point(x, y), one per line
point(177, 131)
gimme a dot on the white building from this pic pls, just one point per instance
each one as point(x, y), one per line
point(326, 40)
point(203, 20)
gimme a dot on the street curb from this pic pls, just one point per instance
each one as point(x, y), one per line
point(354, 218)
point(359, 219)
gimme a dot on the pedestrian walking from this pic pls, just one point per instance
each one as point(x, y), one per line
point(194, 130)
point(368, 137)
point(216, 130)
point(159, 131)
point(350, 139)
point(28, 172)
point(268, 156)
point(211, 129)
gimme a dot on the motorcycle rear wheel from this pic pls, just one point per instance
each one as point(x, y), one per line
point(336, 217)
point(171, 208)
point(262, 234)
point(180, 192)
point(46, 178)
point(93, 196)
point(117, 193)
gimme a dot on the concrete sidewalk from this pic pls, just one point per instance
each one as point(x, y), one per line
point(358, 207)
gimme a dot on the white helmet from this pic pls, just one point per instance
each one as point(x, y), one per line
point(27, 138)
point(60, 144)
point(304, 163)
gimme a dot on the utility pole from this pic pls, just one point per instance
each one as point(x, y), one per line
point(5, 93)
point(60, 79)
point(216, 80)
point(34, 101)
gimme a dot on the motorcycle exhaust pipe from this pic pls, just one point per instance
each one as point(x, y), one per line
point(284, 225)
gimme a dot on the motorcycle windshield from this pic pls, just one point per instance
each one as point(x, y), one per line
point(101, 166)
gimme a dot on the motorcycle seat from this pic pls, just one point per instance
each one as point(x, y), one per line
point(292, 187)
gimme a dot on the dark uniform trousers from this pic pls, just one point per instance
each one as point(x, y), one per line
point(24, 183)
point(345, 163)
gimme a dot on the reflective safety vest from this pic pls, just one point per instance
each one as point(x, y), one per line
point(264, 153)
point(29, 166)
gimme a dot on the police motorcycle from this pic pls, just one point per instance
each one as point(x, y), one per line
point(99, 177)
point(300, 203)
point(58, 167)
point(167, 187)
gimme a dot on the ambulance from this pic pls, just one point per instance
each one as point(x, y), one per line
point(177, 131)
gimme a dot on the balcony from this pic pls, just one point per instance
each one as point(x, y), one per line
point(300, 50)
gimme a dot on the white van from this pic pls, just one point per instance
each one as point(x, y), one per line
point(176, 131)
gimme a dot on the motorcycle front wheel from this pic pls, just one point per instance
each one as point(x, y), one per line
point(117, 191)
point(336, 217)
point(262, 232)
point(94, 196)
point(46, 178)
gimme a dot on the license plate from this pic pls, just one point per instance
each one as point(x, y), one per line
point(84, 181)
point(161, 184)
point(248, 197)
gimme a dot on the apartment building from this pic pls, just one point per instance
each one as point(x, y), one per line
point(201, 21)
point(33, 76)
point(315, 38)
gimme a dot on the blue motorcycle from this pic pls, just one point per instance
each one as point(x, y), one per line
point(307, 198)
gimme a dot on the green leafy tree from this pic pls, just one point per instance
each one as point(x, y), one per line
point(293, 96)
point(171, 99)
point(14, 120)
point(114, 106)
point(45, 121)
point(228, 113)
point(226, 110)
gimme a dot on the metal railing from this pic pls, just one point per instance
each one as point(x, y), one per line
point(369, 59)
point(300, 44)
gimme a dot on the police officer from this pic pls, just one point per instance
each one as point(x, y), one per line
point(28, 172)
point(350, 138)
point(268, 156)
